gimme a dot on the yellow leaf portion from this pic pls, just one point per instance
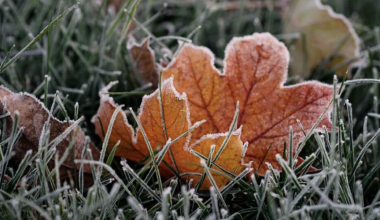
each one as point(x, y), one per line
point(230, 159)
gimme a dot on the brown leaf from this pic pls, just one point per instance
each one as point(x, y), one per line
point(32, 117)
point(144, 62)
point(254, 74)
point(177, 121)
point(134, 147)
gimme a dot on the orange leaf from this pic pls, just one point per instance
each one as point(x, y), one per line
point(121, 129)
point(177, 121)
point(254, 73)
point(133, 147)
point(32, 118)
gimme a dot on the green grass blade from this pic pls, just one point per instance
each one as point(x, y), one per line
point(362, 153)
point(38, 37)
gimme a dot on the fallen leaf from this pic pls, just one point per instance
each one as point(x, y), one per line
point(177, 121)
point(321, 31)
point(144, 62)
point(254, 74)
point(32, 117)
